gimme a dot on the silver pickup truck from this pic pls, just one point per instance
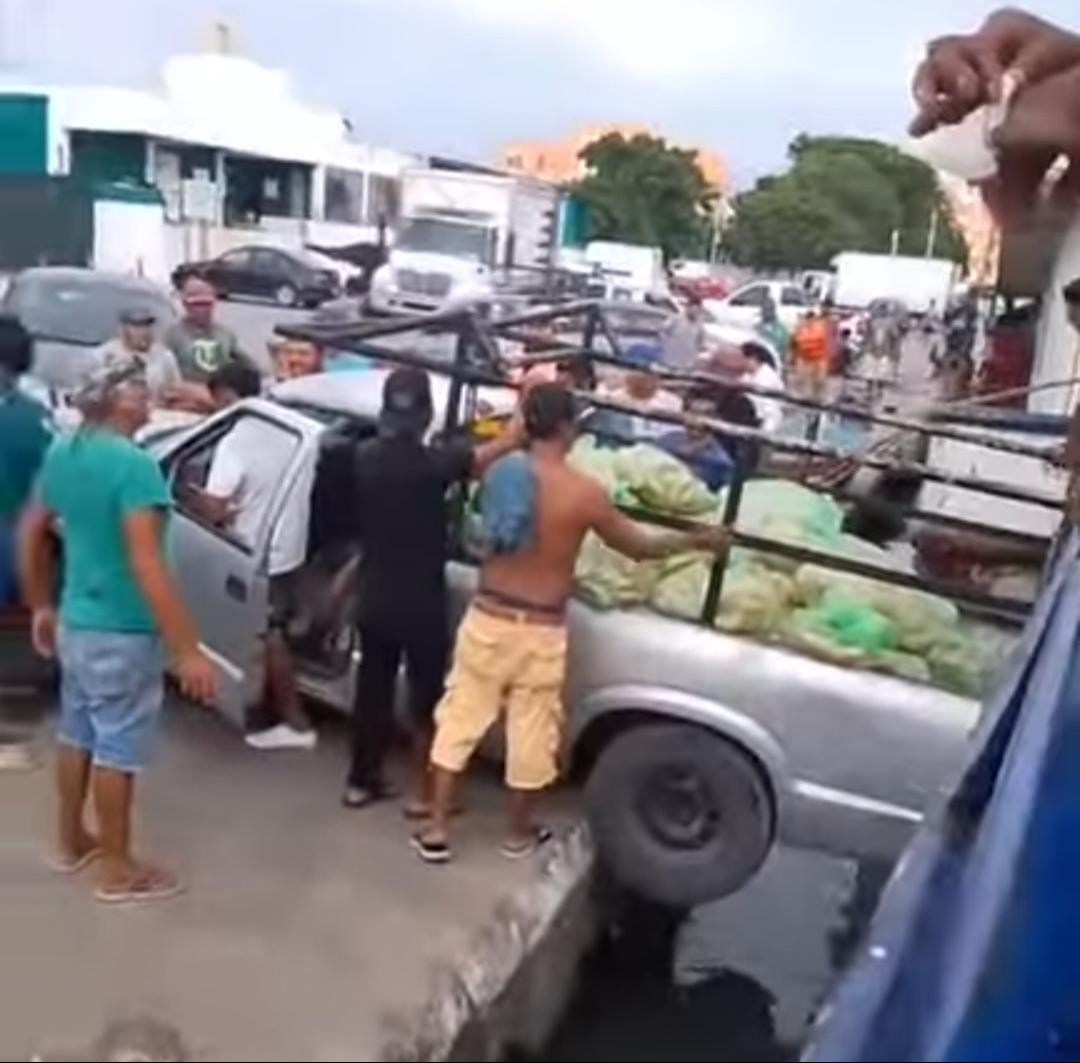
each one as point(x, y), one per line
point(698, 751)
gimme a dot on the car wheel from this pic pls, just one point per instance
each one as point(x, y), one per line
point(680, 816)
point(286, 295)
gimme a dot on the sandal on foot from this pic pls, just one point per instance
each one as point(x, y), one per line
point(432, 850)
point(523, 848)
point(144, 888)
point(358, 797)
point(66, 865)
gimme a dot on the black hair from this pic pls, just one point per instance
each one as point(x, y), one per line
point(700, 394)
point(237, 377)
point(759, 352)
point(549, 409)
point(881, 516)
point(1072, 292)
point(736, 407)
point(16, 346)
point(581, 371)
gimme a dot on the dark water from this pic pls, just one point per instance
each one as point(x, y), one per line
point(738, 980)
point(631, 1009)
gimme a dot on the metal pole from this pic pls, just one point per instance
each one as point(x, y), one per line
point(457, 380)
point(591, 325)
point(731, 519)
point(931, 240)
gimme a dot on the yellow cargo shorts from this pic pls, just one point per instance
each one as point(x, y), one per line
point(516, 664)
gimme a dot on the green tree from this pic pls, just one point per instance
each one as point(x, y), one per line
point(642, 190)
point(856, 195)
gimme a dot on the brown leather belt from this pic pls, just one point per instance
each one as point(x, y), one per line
point(539, 617)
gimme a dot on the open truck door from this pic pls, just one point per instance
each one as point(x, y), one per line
point(226, 578)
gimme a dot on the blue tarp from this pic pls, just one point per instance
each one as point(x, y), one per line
point(975, 951)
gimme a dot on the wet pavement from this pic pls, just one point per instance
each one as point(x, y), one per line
point(740, 979)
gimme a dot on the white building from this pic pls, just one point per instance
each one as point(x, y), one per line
point(222, 154)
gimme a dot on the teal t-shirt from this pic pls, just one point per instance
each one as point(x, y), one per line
point(91, 481)
point(24, 438)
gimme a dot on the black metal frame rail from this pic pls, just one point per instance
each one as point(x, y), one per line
point(478, 362)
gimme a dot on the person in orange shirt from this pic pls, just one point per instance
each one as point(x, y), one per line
point(812, 348)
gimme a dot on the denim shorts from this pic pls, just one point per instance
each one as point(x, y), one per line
point(111, 694)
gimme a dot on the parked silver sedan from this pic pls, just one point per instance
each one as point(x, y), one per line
point(698, 750)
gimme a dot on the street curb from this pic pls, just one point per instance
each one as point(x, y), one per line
point(511, 987)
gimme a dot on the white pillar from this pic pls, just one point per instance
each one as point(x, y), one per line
point(318, 193)
point(1058, 351)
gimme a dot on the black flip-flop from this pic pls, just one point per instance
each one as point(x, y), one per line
point(432, 852)
point(522, 849)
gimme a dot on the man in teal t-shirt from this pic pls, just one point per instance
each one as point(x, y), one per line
point(24, 438)
point(109, 502)
point(92, 481)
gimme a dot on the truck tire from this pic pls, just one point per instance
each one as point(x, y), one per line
point(680, 816)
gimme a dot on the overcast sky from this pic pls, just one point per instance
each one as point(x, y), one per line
point(464, 76)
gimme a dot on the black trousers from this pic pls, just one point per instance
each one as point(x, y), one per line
point(424, 648)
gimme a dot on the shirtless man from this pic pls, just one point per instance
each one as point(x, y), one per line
point(512, 645)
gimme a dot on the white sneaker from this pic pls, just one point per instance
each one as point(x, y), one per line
point(282, 737)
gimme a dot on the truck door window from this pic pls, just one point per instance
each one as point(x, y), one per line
point(228, 482)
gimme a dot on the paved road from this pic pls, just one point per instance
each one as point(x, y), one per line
point(307, 928)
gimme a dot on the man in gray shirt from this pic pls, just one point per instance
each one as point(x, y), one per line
point(201, 345)
point(137, 344)
point(684, 341)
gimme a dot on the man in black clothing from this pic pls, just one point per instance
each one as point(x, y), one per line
point(402, 524)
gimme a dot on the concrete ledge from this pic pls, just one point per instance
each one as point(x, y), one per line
point(512, 986)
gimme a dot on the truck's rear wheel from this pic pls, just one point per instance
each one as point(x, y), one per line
point(680, 816)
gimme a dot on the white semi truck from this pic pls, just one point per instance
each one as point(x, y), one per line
point(467, 239)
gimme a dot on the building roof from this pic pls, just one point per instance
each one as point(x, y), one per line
point(223, 101)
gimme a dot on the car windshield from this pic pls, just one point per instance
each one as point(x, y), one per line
point(446, 238)
point(79, 310)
